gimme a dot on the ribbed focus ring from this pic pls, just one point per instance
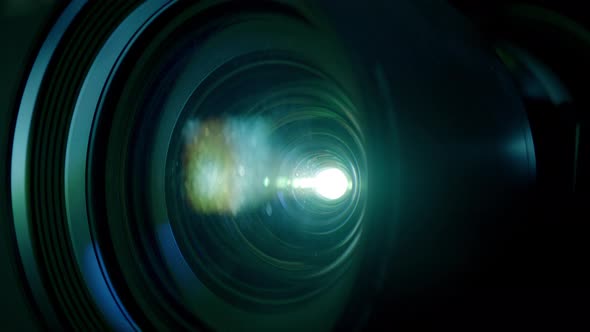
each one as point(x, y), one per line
point(50, 127)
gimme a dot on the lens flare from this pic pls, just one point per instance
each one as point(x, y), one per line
point(228, 165)
point(331, 183)
point(225, 162)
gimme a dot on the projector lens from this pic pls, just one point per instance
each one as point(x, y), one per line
point(275, 165)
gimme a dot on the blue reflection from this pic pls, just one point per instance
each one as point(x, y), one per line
point(102, 292)
point(521, 152)
point(174, 259)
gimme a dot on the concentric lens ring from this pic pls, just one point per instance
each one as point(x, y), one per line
point(216, 99)
point(310, 125)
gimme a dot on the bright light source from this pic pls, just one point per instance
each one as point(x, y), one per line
point(331, 183)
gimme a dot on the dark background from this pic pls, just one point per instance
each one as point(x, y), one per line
point(22, 25)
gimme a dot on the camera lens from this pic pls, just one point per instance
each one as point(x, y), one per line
point(289, 165)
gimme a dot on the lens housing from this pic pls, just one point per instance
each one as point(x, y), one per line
point(104, 169)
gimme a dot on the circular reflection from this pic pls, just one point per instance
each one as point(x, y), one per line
point(268, 202)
